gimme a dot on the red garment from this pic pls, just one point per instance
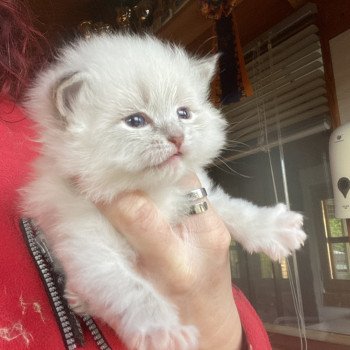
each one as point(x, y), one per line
point(26, 318)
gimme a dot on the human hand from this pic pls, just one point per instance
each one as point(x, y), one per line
point(188, 264)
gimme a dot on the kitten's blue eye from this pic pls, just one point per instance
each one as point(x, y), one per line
point(136, 120)
point(183, 113)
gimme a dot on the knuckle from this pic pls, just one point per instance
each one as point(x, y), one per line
point(142, 209)
point(135, 208)
point(143, 213)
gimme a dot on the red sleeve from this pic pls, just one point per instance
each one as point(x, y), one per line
point(27, 321)
point(256, 337)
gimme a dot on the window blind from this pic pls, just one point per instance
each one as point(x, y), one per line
point(285, 67)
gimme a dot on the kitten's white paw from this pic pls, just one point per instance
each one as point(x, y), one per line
point(178, 338)
point(154, 325)
point(279, 233)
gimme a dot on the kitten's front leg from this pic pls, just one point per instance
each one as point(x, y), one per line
point(98, 266)
point(275, 231)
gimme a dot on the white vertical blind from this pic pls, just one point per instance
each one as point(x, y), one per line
point(285, 67)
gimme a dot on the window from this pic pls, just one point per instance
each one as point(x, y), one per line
point(336, 255)
point(338, 243)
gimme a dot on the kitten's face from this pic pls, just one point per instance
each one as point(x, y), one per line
point(134, 112)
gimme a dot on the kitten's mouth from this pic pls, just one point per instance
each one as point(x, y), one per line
point(171, 161)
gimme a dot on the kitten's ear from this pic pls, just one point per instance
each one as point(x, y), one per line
point(65, 94)
point(207, 67)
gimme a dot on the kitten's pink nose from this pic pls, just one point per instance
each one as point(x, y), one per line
point(177, 141)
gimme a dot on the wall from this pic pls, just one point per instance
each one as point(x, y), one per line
point(340, 54)
point(333, 19)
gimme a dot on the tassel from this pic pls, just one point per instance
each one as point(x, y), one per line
point(232, 82)
point(247, 88)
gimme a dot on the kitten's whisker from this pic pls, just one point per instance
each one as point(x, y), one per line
point(232, 170)
point(232, 125)
point(235, 142)
point(201, 45)
point(234, 150)
point(224, 170)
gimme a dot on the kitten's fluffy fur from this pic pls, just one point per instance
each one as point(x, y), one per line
point(89, 153)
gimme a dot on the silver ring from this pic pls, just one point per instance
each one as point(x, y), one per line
point(198, 193)
point(198, 208)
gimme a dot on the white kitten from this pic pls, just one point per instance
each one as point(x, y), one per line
point(121, 112)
